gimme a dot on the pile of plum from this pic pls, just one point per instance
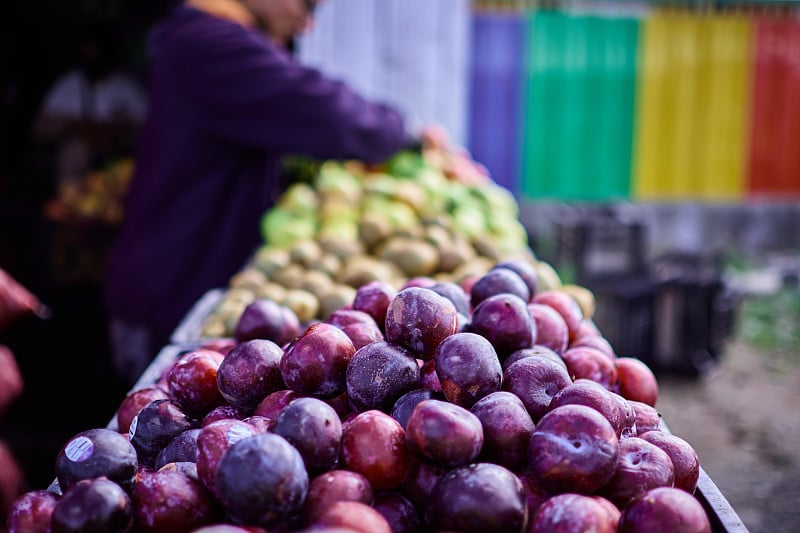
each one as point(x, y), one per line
point(475, 407)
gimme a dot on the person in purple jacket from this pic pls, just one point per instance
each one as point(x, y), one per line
point(226, 101)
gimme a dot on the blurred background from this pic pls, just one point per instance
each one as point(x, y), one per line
point(652, 146)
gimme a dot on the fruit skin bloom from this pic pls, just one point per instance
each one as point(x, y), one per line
point(226, 103)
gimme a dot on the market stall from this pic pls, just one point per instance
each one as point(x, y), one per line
point(264, 391)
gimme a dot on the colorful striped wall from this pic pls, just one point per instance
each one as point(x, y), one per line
point(660, 105)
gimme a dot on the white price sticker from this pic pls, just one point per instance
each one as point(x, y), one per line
point(79, 449)
point(132, 430)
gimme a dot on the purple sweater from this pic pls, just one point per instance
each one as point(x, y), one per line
point(225, 103)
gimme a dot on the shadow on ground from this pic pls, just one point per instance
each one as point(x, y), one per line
point(742, 419)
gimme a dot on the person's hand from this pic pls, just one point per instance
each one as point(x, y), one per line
point(11, 384)
point(455, 162)
point(434, 137)
point(15, 300)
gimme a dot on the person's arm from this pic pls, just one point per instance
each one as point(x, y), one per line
point(257, 95)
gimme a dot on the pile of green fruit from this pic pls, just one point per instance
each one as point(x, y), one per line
point(351, 224)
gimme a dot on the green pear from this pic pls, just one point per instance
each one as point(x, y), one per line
point(299, 197)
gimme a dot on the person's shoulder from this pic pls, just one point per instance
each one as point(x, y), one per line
point(194, 31)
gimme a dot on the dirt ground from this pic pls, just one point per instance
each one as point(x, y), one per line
point(743, 420)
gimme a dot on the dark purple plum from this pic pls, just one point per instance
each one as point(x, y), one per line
point(537, 350)
point(467, 282)
point(419, 282)
point(498, 281)
point(93, 506)
point(374, 298)
point(213, 441)
point(685, 463)
point(228, 528)
point(507, 429)
point(363, 333)
point(590, 363)
point(637, 382)
point(551, 329)
point(590, 393)
point(345, 317)
point(406, 403)
point(574, 513)
point(566, 306)
point(477, 498)
point(334, 486)
point(134, 402)
point(505, 321)
point(261, 480)
point(642, 466)
point(31, 512)
point(192, 382)
point(315, 363)
point(594, 341)
point(399, 512)
point(266, 320)
point(535, 380)
point(418, 319)
point(155, 426)
point(586, 328)
point(378, 374)
point(573, 449)
point(535, 494)
point(524, 269)
point(664, 509)
point(647, 417)
point(313, 427)
point(168, 500)
point(350, 516)
point(95, 453)
point(420, 480)
point(249, 372)
point(273, 403)
point(628, 423)
point(340, 404)
point(373, 446)
point(221, 412)
point(444, 433)
point(182, 448)
point(468, 368)
point(454, 293)
point(261, 423)
point(428, 378)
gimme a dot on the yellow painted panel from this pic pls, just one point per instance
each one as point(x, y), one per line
point(665, 159)
point(692, 106)
point(722, 168)
point(684, 126)
point(653, 41)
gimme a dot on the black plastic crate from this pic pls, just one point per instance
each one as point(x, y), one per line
point(624, 313)
point(598, 242)
point(694, 313)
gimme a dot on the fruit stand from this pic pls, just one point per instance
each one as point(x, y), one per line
point(409, 365)
point(722, 516)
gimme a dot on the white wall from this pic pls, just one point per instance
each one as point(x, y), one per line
point(413, 54)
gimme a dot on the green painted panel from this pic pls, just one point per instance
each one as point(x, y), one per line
point(579, 96)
